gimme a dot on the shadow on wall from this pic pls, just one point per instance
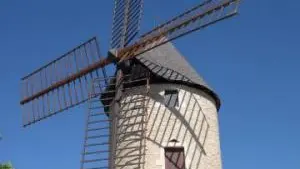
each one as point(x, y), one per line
point(183, 125)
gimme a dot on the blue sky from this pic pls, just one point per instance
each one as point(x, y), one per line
point(252, 61)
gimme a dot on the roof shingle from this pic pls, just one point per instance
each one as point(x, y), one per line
point(166, 62)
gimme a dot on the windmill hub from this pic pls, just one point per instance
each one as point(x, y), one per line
point(112, 54)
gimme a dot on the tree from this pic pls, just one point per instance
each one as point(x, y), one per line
point(6, 166)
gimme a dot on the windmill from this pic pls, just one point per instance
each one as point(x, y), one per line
point(154, 101)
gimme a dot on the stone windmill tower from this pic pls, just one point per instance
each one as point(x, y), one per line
point(154, 112)
point(174, 115)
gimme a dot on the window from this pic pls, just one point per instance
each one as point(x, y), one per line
point(174, 158)
point(171, 98)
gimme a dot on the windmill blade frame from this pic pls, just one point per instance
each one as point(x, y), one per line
point(126, 22)
point(196, 18)
point(53, 98)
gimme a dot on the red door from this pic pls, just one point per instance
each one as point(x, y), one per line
point(174, 158)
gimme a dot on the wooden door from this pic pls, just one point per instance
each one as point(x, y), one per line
point(174, 158)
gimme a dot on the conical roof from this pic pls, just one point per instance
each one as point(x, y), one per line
point(166, 62)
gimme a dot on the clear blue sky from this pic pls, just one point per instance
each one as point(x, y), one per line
point(252, 61)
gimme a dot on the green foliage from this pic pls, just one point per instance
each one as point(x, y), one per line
point(6, 166)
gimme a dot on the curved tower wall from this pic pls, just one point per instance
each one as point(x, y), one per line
point(192, 124)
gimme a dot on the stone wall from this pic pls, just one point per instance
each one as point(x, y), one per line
point(192, 124)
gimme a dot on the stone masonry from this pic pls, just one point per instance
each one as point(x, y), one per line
point(192, 124)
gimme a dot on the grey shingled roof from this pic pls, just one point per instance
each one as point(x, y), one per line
point(166, 62)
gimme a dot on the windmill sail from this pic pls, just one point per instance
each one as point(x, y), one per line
point(42, 96)
point(56, 86)
point(126, 22)
point(199, 17)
